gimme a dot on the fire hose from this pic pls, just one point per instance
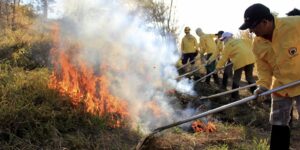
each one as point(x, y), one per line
point(227, 92)
point(212, 111)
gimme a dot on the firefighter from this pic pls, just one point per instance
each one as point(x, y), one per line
point(188, 48)
point(208, 51)
point(294, 12)
point(218, 42)
point(276, 49)
point(228, 70)
point(240, 54)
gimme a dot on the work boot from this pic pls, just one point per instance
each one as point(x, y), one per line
point(252, 89)
point(235, 96)
point(280, 138)
point(216, 79)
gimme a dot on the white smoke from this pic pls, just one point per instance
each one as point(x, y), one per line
point(110, 34)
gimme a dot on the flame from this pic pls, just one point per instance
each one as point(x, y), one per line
point(210, 127)
point(199, 126)
point(72, 76)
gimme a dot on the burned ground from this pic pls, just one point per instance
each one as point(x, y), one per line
point(242, 127)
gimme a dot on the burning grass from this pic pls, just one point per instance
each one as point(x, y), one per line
point(199, 126)
point(73, 77)
point(32, 116)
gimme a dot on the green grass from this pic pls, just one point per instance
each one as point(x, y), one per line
point(25, 47)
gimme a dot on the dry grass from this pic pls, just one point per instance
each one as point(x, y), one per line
point(227, 136)
point(35, 117)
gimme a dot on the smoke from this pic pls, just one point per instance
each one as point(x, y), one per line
point(143, 62)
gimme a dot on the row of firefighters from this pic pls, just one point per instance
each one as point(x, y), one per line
point(217, 52)
point(276, 50)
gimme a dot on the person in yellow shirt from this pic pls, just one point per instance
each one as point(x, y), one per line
point(208, 48)
point(218, 42)
point(228, 70)
point(188, 47)
point(276, 49)
point(294, 12)
point(240, 54)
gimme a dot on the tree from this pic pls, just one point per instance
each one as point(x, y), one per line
point(41, 6)
point(14, 6)
point(8, 10)
point(45, 6)
point(160, 14)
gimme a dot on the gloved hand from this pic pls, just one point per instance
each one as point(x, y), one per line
point(259, 90)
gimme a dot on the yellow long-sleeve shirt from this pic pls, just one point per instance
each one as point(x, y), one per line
point(220, 46)
point(238, 51)
point(278, 62)
point(208, 45)
point(189, 44)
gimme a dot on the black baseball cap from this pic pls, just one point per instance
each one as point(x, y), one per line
point(294, 12)
point(254, 14)
point(220, 33)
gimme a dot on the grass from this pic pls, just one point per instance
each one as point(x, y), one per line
point(228, 136)
point(243, 127)
point(32, 116)
point(218, 147)
point(26, 47)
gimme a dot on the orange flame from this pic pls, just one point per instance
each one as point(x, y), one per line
point(73, 77)
point(210, 127)
point(199, 126)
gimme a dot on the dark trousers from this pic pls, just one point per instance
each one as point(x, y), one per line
point(210, 68)
point(188, 57)
point(227, 74)
point(237, 78)
point(280, 138)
